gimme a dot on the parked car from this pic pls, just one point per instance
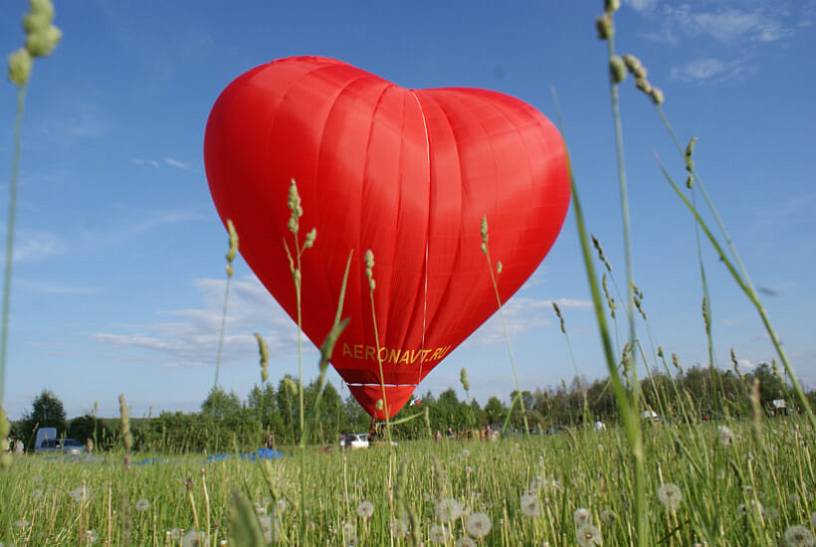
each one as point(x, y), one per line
point(354, 440)
point(72, 447)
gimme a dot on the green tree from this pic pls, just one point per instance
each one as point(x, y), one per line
point(46, 411)
point(221, 405)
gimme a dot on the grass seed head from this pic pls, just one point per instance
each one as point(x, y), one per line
point(605, 27)
point(19, 67)
point(617, 69)
point(656, 94)
point(295, 208)
point(643, 85)
point(263, 351)
point(311, 235)
point(43, 42)
point(611, 6)
point(635, 67)
point(463, 378)
point(369, 264)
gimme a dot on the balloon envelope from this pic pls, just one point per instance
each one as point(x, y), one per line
point(407, 173)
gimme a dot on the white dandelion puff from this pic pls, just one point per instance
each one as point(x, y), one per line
point(530, 505)
point(581, 516)
point(349, 533)
point(142, 505)
point(80, 494)
point(799, 536)
point(465, 542)
point(365, 509)
point(669, 495)
point(448, 510)
point(478, 525)
point(439, 535)
point(726, 435)
point(588, 536)
point(399, 527)
point(195, 538)
point(91, 537)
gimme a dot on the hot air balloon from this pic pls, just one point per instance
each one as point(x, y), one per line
point(406, 173)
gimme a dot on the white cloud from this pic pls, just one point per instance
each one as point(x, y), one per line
point(54, 287)
point(32, 245)
point(710, 69)
point(144, 163)
point(731, 24)
point(522, 314)
point(168, 161)
point(178, 164)
point(642, 5)
point(190, 337)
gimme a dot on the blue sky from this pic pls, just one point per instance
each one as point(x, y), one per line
point(119, 260)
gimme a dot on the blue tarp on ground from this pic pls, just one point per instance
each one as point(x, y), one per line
point(260, 454)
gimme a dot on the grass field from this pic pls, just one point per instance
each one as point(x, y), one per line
point(678, 482)
point(742, 485)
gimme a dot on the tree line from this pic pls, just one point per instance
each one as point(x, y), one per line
point(269, 414)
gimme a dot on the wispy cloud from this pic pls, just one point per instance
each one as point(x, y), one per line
point(178, 164)
point(730, 24)
point(522, 314)
point(711, 69)
point(54, 288)
point(155, 164)
point(32, 245)
point(190, 337)
point(642, 5)
point(145, 163)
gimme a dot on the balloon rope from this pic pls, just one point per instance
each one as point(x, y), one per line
point(424, 317)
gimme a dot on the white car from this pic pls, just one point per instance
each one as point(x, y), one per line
point(354, 440)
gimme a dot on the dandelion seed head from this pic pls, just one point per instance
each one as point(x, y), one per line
point(195, 538)
point(439, 534)
point(478, 525)
point(608, 516)
point(142, 505)
point(448, 510)
point(726, 435)
point(399, 527)
point(465, 542)
point(530, 505)
point(588, 536)
point(799, 536)
point(365, 509)
point(91, 537)
point(669, 495)
point(581, 516)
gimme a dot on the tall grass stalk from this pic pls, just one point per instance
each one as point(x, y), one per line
point(230, 271)
point(11, 223)
point(518, 397)
point(372, 284)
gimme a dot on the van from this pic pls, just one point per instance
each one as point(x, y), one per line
point(46, 440)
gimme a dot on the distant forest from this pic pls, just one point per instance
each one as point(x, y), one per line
point(270, 413)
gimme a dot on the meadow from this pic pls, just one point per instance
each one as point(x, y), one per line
point(683, 480)
point(738, 484)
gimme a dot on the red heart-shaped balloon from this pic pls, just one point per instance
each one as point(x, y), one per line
point(406, 173)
